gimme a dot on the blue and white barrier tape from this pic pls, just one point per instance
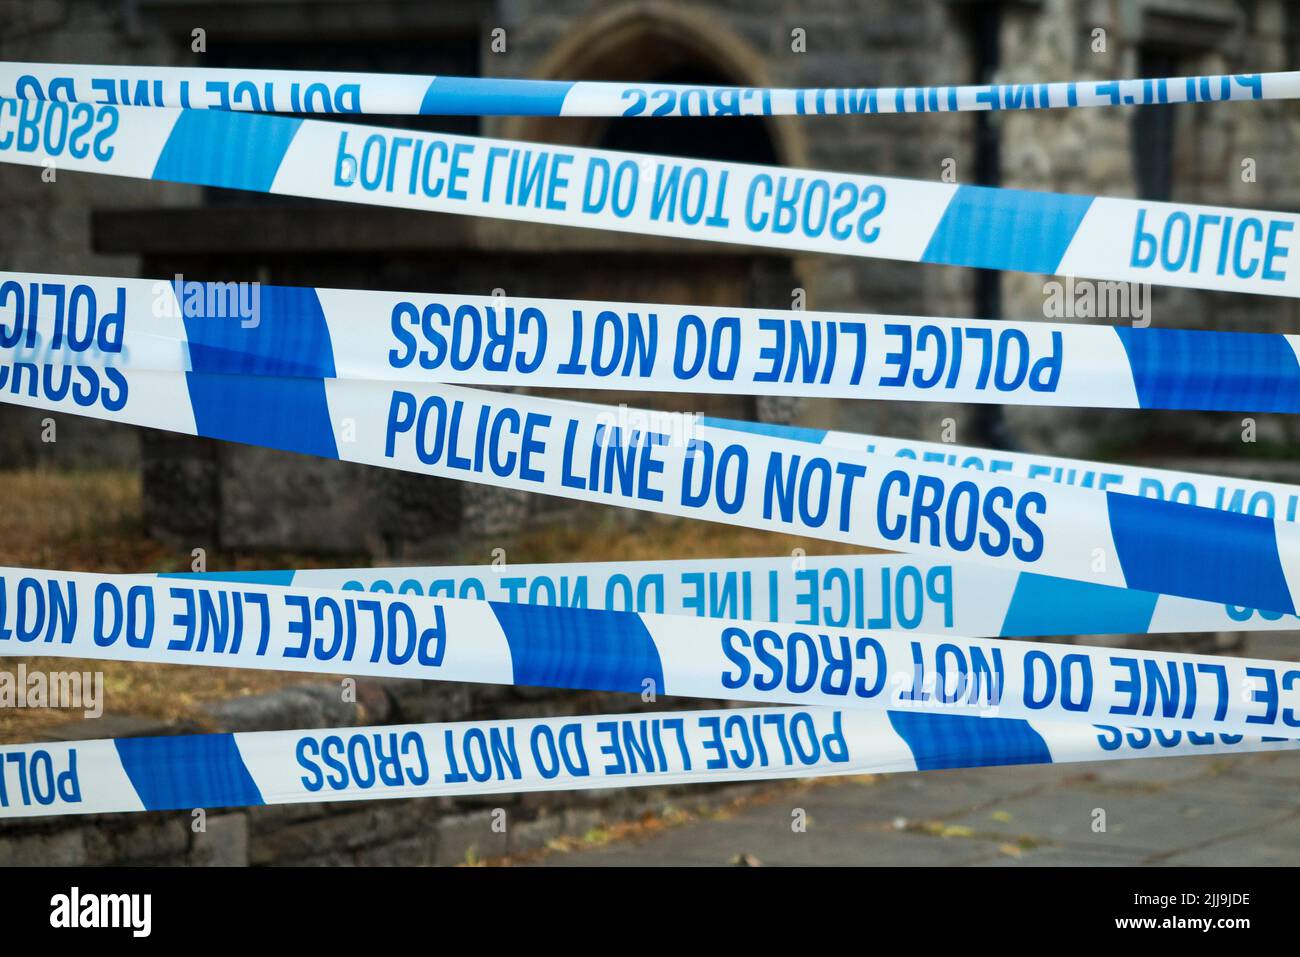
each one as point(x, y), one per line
point(290, 91)
point(1271, 500)
point(1168, 244)
point(871, 592)
point(673, 465)
point(189, 326)
point(290, 628)
point(548, 754)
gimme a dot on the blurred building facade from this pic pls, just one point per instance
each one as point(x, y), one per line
point(205, 493)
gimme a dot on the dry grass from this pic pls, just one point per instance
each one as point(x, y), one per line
point(83, 521)
point(91, 521)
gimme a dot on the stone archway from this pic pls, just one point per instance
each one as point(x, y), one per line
point(652, 42)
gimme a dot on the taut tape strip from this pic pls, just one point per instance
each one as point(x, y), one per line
point(189, 326)
point(1171, 244)
point(184, 326)
point(673, 465)
point(871, 592)
point(547, 754)
point(290, 91)
point(1271, 500)
point(289, 628)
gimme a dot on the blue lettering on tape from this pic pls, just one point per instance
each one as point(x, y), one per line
point(187, 771)
point(1181, 549)
point(559, 647)
point(1006, 229)
point(1041, 605)
point(1197, 369)
point(233, 150)
point(941, 741)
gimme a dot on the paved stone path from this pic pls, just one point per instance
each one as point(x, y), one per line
point(1203, 810)
point(1225, 810)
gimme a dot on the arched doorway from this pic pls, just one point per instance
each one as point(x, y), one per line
point(661, 43)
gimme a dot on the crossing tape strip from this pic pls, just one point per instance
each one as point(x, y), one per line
point(292, 91)
point(866, 592)
point(548, 754)
point(1271, 500)
point(190, 326)
point(673, 465)
point(967, 702)
point(248, 769)
point(1168, 244)
point(291, 628)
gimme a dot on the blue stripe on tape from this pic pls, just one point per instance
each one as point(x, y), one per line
point(795, 433)
point(285, 336)
point(558, 647)
point(1181, 549)
point(1196, 369)
point(1006, 229)
point(188, 771)
point(481, 96)
point(234, 150)
point(962, 741)
point(270, 411)
point(284, 577)
point(1041, 605)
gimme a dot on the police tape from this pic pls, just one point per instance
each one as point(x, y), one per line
point(246, 769)
point(871, 592)
point(291, 628)
point(1271, 500)
point(190, 326)
point(294, 91)
point(670, 464)
point(1170, 244)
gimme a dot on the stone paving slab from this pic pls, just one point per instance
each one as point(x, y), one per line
point(1227, 810)
point(1134, 821)
point(1065, 857)
point(769, 839)
point(1277, 845)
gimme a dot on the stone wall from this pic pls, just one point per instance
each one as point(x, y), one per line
point(1093, 151)
point(47, 226)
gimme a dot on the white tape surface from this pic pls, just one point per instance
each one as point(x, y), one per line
point(546, 754)
point(1170, 244)
point(871, 592)
point(673, 465)
point(289, 628)
point(292, 91)
point(186, 325)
